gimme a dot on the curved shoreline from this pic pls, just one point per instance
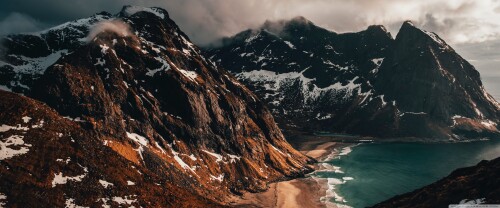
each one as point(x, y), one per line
point(307, 192)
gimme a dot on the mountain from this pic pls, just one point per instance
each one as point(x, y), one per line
point(125, 110)
point(48, 160)
point(363, 83)
point(479, 184)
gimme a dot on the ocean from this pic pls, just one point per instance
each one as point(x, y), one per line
point(366, 174)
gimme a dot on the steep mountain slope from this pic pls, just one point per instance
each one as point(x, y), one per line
point(50, 161)
point(149, 98)
point(471, 185)
point(361, 83)
point(433, 85)
point(25, 57)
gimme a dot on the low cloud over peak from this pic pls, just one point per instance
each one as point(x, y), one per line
point(115, 26)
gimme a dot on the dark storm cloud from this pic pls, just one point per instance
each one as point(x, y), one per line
point(458, 21)
point(19, 23)
point(58, 11)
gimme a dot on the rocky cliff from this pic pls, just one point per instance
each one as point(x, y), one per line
point(363, 83)
point(128, 100)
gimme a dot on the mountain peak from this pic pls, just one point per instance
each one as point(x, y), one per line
point(174, 116)
point(378, 30)
point(411, 32)
point(408, 27)
point(300, 19)
point(129, 10)
point(417, 81)
point(280, 25)
point(408, 23)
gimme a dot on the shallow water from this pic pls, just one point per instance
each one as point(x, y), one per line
point(375, 172)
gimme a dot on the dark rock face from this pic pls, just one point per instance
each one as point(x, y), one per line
point(149, 98)
point(26, 56)
point(50, 161)
point(434, 80)
point(477, 184)
point(364, 83)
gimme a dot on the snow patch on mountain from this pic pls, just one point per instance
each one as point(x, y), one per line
point(189, 74)
point(59, 178)
point(105, 184)
point(5, 128)
point(13, 146)
point(219, 178)
point(70, 203)
point(34, 65)
point(78, 27)
point(3, 200)
point(125, 199)
point(290, 44)
point(137, 138)
point(218, 157)
point(273, 81)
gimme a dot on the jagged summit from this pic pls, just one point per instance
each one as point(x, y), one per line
point(408, 23)
point(444, 86)
point(409, 31)
point(378, 29)
point(300, 19)
point(364, 83)
point(408, 28)
point(279, 26)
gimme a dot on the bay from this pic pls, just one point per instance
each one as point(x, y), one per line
point(375, 172)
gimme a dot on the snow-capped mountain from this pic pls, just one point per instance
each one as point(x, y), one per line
point(125, 110)
point(363, 83)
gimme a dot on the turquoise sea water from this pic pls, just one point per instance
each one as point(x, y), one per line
point(374, 172)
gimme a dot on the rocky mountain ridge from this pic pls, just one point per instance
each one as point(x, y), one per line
point(365, 83)
point(135, 90)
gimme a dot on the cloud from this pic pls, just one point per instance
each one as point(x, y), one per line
point(483, 55)
point(115, 26)
point(457, 21)
point(18, 23)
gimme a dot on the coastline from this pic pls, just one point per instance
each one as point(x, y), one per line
point(307, 192)
point(314, 191)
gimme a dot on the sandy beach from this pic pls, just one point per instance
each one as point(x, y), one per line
point(321, 150)
point(298, 193)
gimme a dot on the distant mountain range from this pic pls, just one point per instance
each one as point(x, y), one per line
point(124, 110)
point(364, 83)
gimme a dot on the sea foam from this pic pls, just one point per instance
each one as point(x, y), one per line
point(332, 198)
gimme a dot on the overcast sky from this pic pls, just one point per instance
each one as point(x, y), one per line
point(470, 26)
point(458, 21)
